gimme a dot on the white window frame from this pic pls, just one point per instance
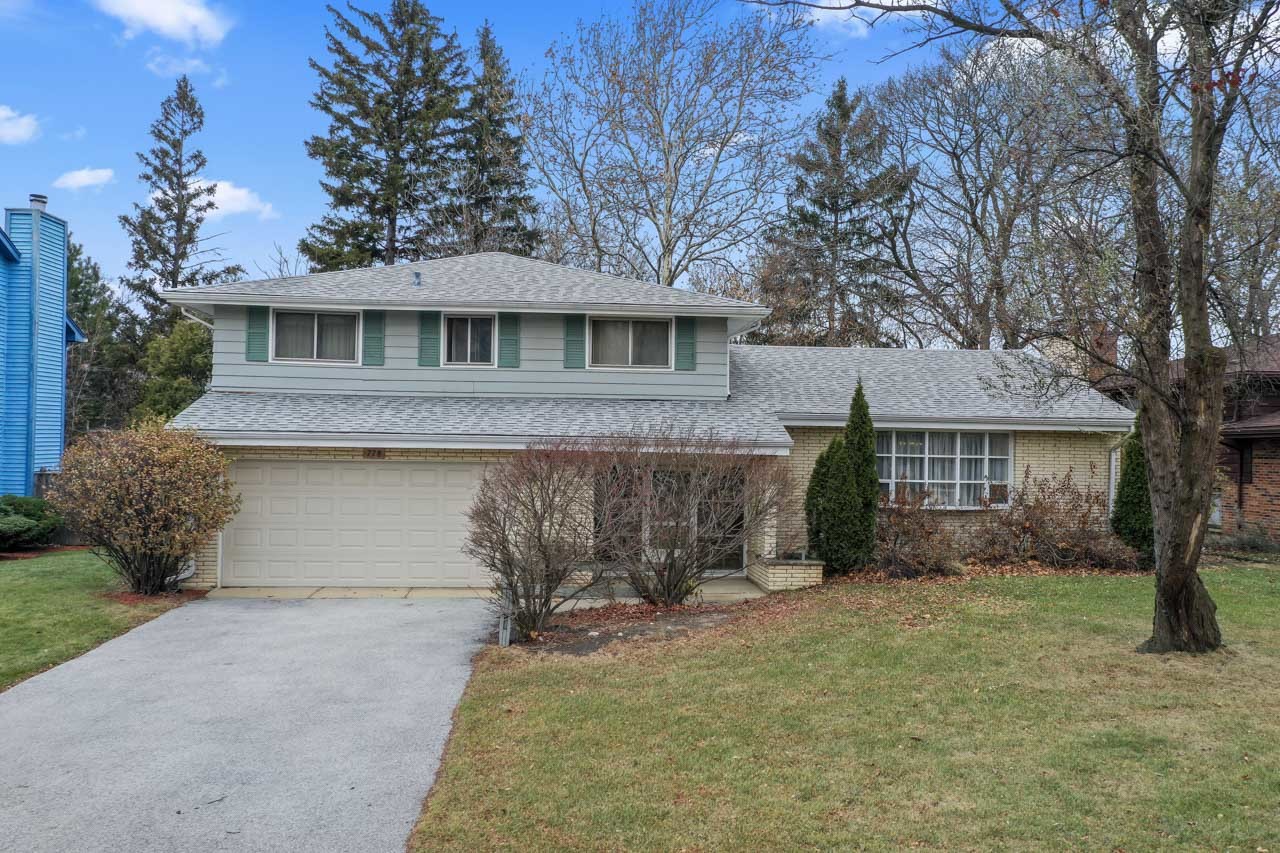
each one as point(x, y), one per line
point(956, 457)
point(650, 368)
point(315, 337)
point(473, 365)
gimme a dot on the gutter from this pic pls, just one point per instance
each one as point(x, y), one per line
point(237, 438)
point(810, 419)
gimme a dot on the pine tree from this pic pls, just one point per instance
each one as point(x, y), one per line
point(178, 368)
point(815, 510)
point(818, 271)
point(1131, 515)
point(846, 510)
point(491, 208)
point(103, 375)
point(167, 250)
point(391, 95)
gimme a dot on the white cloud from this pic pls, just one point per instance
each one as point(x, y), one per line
point(189, 21)
point(79, 179)
point(16, 128)
point(164, 65)
point(14, 8)
point(232, 200)
point(842, 20)
point(74, 135)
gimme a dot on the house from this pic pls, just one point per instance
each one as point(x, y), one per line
point(34, 334)
point(1248, 494)
point(362, 407)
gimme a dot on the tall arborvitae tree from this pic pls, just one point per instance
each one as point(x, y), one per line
point(845, 512)
point(491, 209)
point(819, 268)
point(1131, 515)
point(103, 375)
point(391, 95)
point(167, 250)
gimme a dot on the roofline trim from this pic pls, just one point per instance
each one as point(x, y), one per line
point(805, 419)
point(193, 297)
point(237, 438)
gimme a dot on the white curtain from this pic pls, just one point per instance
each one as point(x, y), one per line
point(337, 337)
point(294, 333)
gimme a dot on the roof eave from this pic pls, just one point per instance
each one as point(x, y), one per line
point(245, 438)
point(205, 301)
point(811, 419)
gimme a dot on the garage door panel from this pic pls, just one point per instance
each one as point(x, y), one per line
point(325, 522)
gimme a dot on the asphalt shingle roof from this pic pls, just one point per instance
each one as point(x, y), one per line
point(485, 279)
point(478, 418)
point(909, 384)
point(793, 382)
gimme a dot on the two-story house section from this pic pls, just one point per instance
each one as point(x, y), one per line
point(362, 407)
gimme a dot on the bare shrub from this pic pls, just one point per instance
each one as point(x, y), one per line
point(146, 499)
point(912, 540)
point(671, 507)
point(1055, 521)
point(532, 527)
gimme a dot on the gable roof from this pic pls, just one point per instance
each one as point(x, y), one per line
point(487, 280)
point(814, 385)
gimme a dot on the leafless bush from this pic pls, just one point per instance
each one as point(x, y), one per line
point(1055, 521)
point(671, 507)
point(912, 540)
point(531, 526)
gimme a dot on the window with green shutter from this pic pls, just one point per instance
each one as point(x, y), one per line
point(686, 343)
point(575, 341)
point(257, 332)
point(508, 340)
point(373, 347)
point(428, 338)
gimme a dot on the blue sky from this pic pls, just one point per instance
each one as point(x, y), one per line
point(83, 79)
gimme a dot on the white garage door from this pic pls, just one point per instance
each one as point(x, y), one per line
point(317, 523)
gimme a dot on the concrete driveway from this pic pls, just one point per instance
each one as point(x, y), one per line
point(240, 724)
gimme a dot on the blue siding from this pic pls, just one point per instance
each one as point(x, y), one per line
point(15, 473)
point(32, 325)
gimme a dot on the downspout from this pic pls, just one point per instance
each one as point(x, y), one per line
point(196, 319)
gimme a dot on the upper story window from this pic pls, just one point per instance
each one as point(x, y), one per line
point(630, 343)
point(957, 469)
point(469, 340)
point(312, 336)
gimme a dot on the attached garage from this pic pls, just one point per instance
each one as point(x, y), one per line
point(322, 522)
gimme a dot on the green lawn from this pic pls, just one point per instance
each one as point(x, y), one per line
point(998, 713)
point(55, 607)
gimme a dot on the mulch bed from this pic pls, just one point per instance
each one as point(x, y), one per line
point(182, 596)
point(43, 552)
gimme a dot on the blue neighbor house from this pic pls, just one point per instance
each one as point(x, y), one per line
point(34, 334)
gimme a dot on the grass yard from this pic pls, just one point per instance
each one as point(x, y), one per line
point(994, 713)
point(57, 606)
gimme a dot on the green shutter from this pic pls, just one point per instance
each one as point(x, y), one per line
point(257, 332)
point(686, 343)
point(372, 346)
point(575, 341)
point(428, 338)
point(508, 340)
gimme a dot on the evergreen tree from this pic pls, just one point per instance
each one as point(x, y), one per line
point(815, 497)
point(846, 511)
point(818, 270)
point(1131, 515)
point(103, 374)
point(391, 95)
point(167, 250)
point(491, 209)
point(178, 368)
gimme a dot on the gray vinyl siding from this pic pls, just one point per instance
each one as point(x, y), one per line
point(541, 372)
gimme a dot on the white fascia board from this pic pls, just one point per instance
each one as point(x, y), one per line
point(397, 441)
point(205, 302)
point(800, 419)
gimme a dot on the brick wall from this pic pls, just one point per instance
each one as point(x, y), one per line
point(206, 558)
point(1261, 496)
point(1043, 454)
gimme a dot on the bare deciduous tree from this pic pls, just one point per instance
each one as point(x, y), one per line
point(1178, 76)
point(661, 137)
